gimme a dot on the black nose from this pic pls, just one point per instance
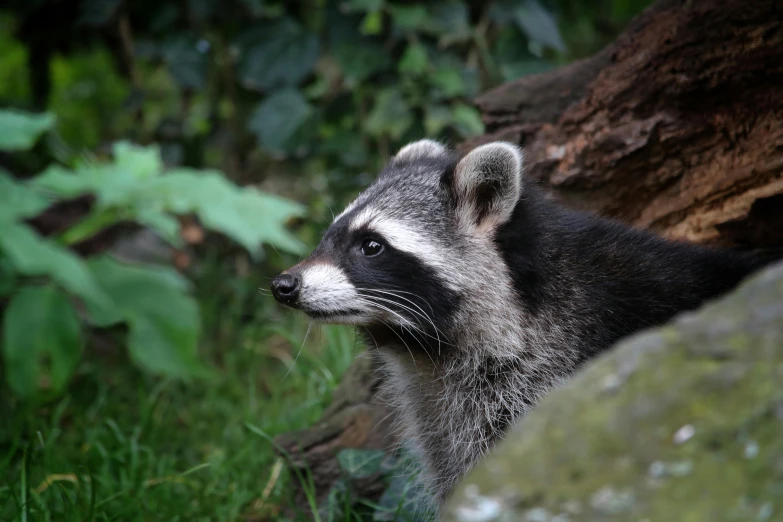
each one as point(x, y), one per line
point(285, 288)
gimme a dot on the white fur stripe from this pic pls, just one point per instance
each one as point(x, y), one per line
point(325, 288)
point(363, 218)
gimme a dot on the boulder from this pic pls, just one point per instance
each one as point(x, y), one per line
point(680, 423)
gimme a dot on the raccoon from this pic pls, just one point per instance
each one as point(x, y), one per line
point(478, 294)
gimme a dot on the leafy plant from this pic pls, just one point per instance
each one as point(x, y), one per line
point(53, 294)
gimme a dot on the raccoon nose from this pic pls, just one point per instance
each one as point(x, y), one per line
point(285, 288)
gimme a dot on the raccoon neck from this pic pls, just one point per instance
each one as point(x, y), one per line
point(454, 405)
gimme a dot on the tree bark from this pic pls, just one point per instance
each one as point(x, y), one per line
point(676, 127)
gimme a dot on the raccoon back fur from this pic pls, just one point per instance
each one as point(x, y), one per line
point(478, 294)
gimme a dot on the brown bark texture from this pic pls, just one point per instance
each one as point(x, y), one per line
point(676, 127)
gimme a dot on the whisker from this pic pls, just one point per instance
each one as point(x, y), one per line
point(414, 314)
point(403, 326)
point(309, 326)
point(403, 342)
point(419, 313)
point(395, 293)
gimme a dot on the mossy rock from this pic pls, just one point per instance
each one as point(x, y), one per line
point(682, 423)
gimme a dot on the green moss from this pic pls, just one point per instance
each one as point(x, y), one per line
point(682, 423)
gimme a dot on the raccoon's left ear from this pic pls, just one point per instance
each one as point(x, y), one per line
point(486, 185)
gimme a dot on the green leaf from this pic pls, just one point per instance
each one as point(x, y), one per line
point(32, 255)
point(245, 215)
point(129, 189)
point(18, 201)
point(284, 56)
point(42, 340)
point(360, 463)
point(163, 320)
point(20, 130)
point(360, 60)
point(390, 115)
point(448, 82)
point(436, 118)
point(142, 162)
point(372, 23)
point(414, 60)
point(278, 118)
point(8, 278)
point(409, 17)
point(539, 25)
point(112, 185)
point(467, 120)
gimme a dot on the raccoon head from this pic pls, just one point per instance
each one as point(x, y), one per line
point(415, 249)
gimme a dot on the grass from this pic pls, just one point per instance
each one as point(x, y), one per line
point(124, 445)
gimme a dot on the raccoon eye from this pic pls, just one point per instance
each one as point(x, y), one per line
point(371, 248)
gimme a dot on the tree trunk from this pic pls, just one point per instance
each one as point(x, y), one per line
point(676, 127)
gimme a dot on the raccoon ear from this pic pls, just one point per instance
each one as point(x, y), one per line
point(487, 184)
point(421, 149)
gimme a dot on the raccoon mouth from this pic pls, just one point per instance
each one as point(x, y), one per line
point(333, 314)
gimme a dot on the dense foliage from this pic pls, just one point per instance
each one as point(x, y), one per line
point(42, 338)
point(324, 90)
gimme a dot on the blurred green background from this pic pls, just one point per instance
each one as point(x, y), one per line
point(161, 405)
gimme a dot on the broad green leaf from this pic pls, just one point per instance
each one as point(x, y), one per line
point(278, 118)
point(32, 255)
point(360, 60)
point(18, 201)
point(143, 162)
point(163, 320)
point(42, 340)
point(467, 120)
point(64, 182)
point(112, 185)
point(390, 116)
point(283, 56)
point(360, 463)
point(414, 60)
point(245, 215)
point(20, 130)
point(539, 25)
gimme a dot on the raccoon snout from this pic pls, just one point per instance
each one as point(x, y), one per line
point(285, 288)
